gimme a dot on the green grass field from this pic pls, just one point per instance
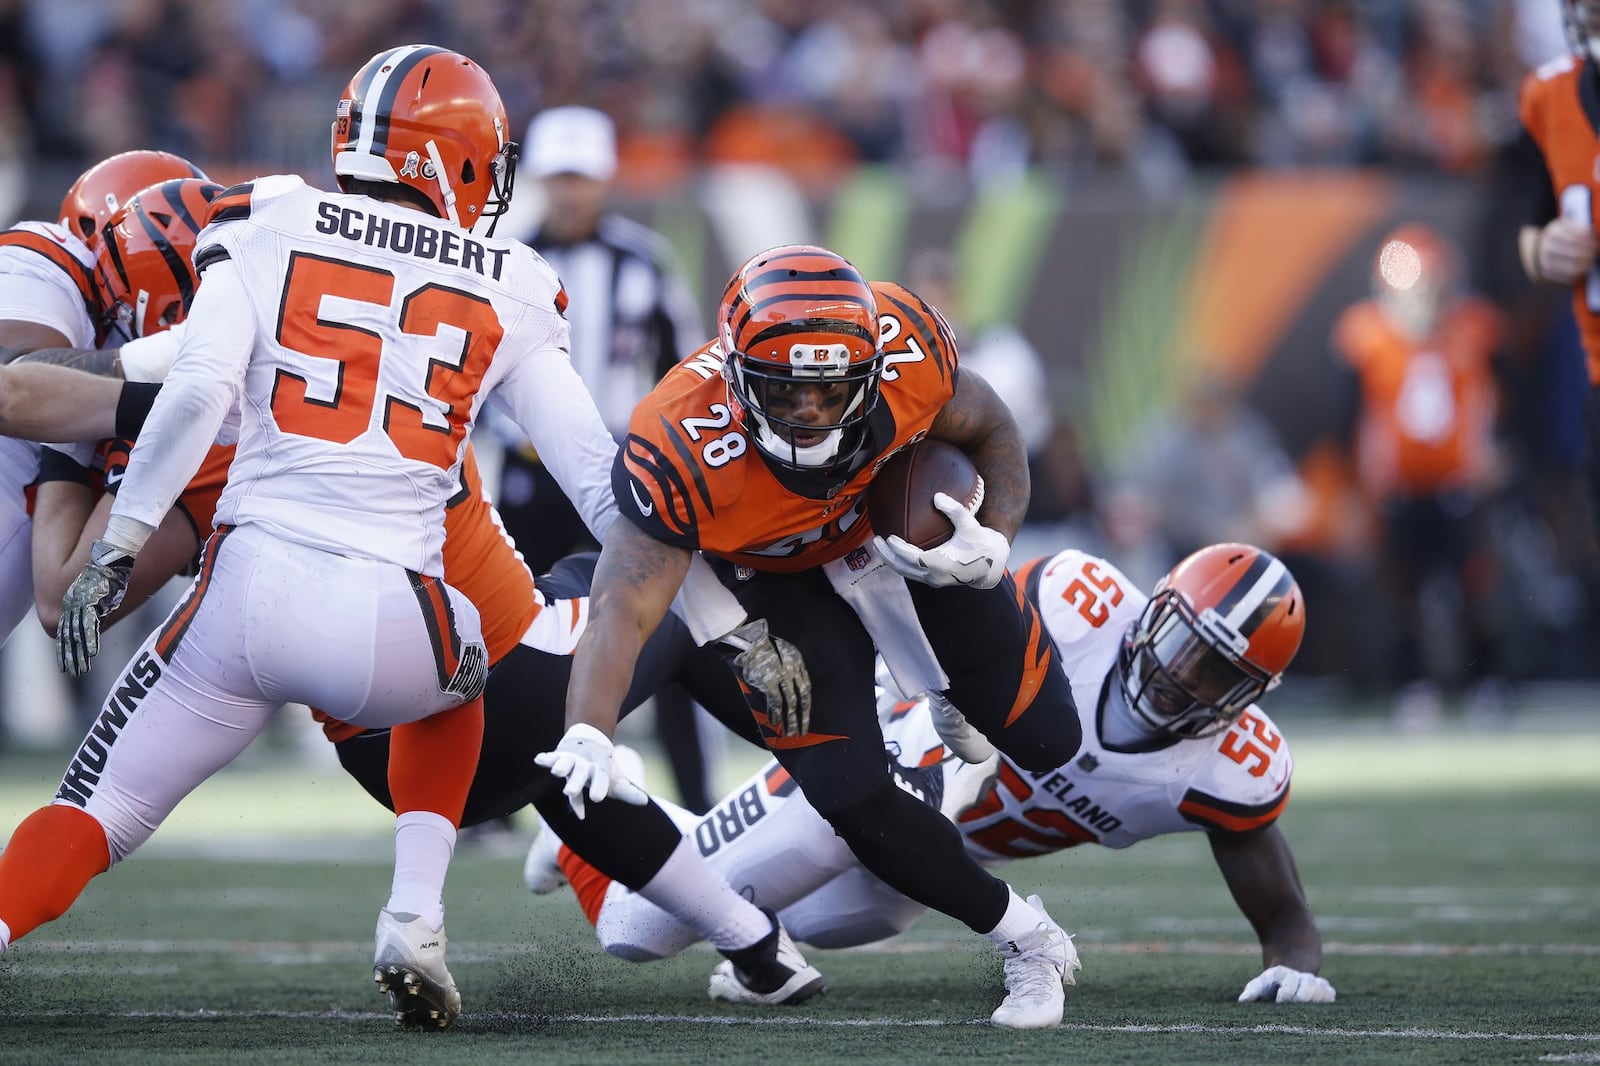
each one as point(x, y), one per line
point(1456, 879)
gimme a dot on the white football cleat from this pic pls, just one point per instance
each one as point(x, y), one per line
point(771, 971)
point(408, 965)
point(541, 871)
point(957, 733)
point(1037, 967)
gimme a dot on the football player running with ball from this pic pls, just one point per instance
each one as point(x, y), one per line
point(757, 451)
point(1173, 742)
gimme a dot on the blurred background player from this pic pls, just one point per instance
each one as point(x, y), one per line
point(1173, 742)
point(1423, 408)
point(632, 318)
point(1560, 109)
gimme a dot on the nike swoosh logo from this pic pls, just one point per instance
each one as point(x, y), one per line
point(113, 476)
point(645, 508)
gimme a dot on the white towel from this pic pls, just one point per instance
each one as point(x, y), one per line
point(879, 596)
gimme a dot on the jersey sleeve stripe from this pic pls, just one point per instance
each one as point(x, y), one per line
point(932, 341)
point(58, 255)
point(209, 256)
point(1217, 813)
point(233, 205)
point(641, 459)
point(178, 624)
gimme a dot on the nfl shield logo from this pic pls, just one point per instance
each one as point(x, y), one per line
point(856, 560)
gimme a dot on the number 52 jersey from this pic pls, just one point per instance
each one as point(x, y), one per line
point(1235, 781)
point(378, 331)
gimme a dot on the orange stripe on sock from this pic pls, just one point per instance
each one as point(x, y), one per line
point(588, 883)
point(432, 761)
point(54, 853)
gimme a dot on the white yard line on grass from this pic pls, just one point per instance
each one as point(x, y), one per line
point(503, 1017)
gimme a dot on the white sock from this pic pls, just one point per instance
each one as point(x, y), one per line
point(423, 844)
point(1018, 921)
point(5, 937)
point(689, 889)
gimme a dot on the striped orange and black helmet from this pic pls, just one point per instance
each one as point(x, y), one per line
point(798, 326)
point(144, 272)
point(101, 190)
point(1219, 631)
point(429, 119)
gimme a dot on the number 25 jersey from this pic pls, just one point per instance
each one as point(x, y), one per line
point(378, 330)
point(689, 475)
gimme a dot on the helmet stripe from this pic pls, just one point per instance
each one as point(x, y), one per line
point(390, 89)
point(370, 97)
point(181, 271)
point(1257, 594)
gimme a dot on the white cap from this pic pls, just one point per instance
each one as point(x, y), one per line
point(571, 140)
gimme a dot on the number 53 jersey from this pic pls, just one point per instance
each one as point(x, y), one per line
point(378, 330)
point(1235, 781)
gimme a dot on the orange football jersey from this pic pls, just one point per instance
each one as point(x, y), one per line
point(1428, 407)
point(689, 475)
point(1560, 105)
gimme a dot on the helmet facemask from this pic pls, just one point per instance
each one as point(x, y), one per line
point(821, 352)
point(1184, 674)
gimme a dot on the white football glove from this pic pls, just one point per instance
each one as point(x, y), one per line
point(583, 759)
point(1280, 984)
point(1564, 251)
point(974, 555)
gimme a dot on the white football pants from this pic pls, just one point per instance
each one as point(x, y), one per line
point(267, 622)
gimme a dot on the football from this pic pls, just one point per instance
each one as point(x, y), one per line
point(900, 499)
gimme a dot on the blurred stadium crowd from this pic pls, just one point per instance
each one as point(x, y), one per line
point(988, 86)
point(954, 94)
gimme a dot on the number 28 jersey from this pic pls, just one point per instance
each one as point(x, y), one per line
point(378, 331)
point(689, 475)
point(1235, 781)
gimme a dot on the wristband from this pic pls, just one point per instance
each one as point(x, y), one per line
point(133, 406)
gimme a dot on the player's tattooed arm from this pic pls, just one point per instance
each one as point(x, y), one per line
point(978, 422)
point(634, 584)
point(101, 362)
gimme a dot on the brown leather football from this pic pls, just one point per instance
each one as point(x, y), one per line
point(900, 498)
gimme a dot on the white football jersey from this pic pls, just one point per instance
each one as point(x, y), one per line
point(378, 332)
point(1236, 780)
point(44, 279)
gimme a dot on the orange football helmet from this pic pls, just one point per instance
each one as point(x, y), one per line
point(1217, 634)
point(430, 119)
point(102, 189)
point(1413, 277)
point(793, 314)
point(144, 272)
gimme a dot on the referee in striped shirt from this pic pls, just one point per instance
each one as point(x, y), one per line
point(632, 318)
